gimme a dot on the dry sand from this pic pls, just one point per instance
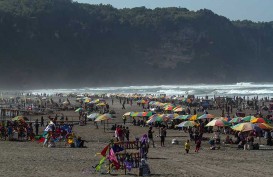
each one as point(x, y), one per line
point(31, 159)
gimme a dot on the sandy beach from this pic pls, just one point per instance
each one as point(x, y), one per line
point(27, 159)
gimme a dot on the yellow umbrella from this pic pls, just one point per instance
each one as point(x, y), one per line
point(87, 100)
point(103, 117)
point(101, 104)
point(193, 118)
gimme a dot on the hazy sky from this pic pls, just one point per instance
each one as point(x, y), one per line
point(255, 10)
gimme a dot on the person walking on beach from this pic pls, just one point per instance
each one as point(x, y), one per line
point(123, 105)
point(36, 127)
point(151, 136)
point(127, 133)
point(162, 134)
point(198, 145)
point(124, 120)
point(187, 146)
point(42, 121)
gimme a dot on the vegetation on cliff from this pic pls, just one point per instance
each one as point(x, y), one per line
point(61, 43)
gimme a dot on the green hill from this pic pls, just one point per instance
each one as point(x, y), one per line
point(60, 43)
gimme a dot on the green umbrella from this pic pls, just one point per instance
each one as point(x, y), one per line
point(248, 118)
point(18, 118)
point(78, 110)
point(187, 124)
point(183, 117)
point(236, 120)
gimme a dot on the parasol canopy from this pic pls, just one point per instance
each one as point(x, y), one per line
point(187, 124)
point(218, 123)
point(104, 117)
point(19, 118)
point(206, 116)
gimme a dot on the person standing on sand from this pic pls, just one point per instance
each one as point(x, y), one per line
point(187, 146)
point(150, 136)
point(162, 134)
point(36, 127)
point(42, 121)
point(198, 145)
point(123, 105)
point(124, 120)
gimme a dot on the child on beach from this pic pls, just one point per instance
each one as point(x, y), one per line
point(187, 146)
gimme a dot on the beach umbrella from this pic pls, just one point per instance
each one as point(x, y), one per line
point(222, 118)
point(79, 109)
point(187, 124)
point(183, 117)
point(248, 118)
point(104, 117)
point(101, 104)
point(169, 116)
point(218, 123)
point(206, 116)
point(99, 100)
point(93, 116)
point(236, 120)
point(147, 114)
point(179, 109)
point(259, 120)
point(127, 114)
point(168, 108)
point(87, 100)
point(157, 118)
point(168, 105)
point(193, 117)
point(19, 118)
point(179, 106)
point(136, 114)
point(264, 126)
point(244, 127)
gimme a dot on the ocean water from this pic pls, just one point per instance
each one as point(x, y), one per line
point(237, 89)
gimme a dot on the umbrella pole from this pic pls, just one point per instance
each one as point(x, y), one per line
point(104, 126)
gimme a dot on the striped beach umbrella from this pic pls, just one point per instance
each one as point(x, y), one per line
point(248, 118)
point(244, 127)
point(93, 116)
point(179, 109)
point(218, 123)
point(183, 117)
point(206, 116)
point(264, 126)
point(259, 120)
point(187, 124)
point(157, 118)
point(236, 120)
point(104, 117)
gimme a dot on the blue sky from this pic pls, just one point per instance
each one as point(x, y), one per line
point(255, 10)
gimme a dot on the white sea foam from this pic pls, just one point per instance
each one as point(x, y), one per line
point(242, 88)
